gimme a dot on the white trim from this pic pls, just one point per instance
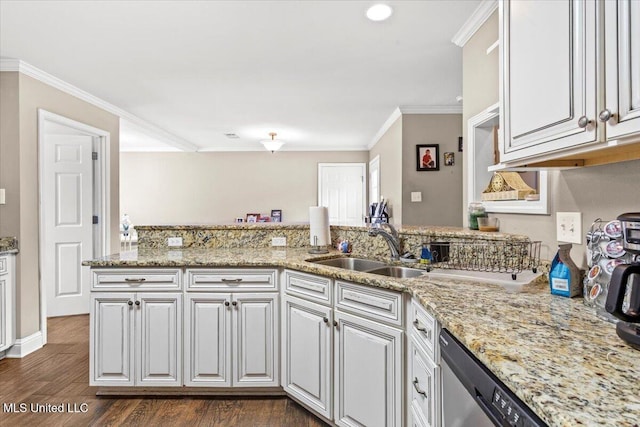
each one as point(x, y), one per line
point(395, 115)
point(104, 189)
point(493, 47)
point(26, 345)
point(475, 21)
point(36, 73)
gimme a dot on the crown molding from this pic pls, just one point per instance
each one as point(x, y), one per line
point(17, 65)
point(395, 115)
point(475, 21)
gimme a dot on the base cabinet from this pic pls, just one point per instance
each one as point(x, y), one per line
point(306, 352)
point(7, 303)
point(424, 376)
point(136, 339)
point(368, 372)
point(231, 340)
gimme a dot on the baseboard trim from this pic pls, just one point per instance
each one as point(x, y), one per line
point(25, 346)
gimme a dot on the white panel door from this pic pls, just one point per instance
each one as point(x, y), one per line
point(159, 339)
point(342, 189)
point(67, 194)
point(622, 61)
point(306, 353)
point(255, 340)
point(112, 339)
point(548, 53)
point(368, 373)
point(207, 344)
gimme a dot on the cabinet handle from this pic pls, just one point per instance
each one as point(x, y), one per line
point(138, 280)
point(138, 303)
point(583, 122)
point(605, 115)
point(226, 303)
point(325, 320)
point(235, 303)
point(422, 329)
point(335, 324)
point(415, 385)
point(130, 303)
point(232, 280)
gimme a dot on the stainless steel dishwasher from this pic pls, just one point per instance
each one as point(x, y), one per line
point(472, 396)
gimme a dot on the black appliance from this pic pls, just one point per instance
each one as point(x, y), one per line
point(623, 298)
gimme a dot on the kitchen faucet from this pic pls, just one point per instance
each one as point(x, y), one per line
point(393, 240)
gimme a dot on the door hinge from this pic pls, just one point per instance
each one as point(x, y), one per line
point(94, 155)
point(95, 219)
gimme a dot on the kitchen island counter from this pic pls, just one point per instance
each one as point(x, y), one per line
point(565, 363)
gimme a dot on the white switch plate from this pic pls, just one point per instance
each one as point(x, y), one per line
point(2, 197)
point(416, 196)
point(278, 241)
point(569, 227)
point(174, 241)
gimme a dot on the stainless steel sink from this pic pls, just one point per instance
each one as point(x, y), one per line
point(397, 272)
point(357, 264)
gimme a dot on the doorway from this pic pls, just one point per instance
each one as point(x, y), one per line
point(342, 189)
point(74, 206)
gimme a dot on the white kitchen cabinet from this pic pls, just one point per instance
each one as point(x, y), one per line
point(136, 339)
point(7, 303)
point(307, 353)
point(368, 372)
point(424, 377)
point(557, 101)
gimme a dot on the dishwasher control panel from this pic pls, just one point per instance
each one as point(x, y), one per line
point(509, 410)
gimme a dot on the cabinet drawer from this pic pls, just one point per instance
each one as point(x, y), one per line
point(314, 288)
point(373, 303)
point(231, 279)
point(150, 279)
point(4, 265)
point(423, 383)
point(423, 328)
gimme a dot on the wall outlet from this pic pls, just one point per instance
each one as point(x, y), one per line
point(278, 241)
point(174, 241)
point(569, 227)
point(416, 196)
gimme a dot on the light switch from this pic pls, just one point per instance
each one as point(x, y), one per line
point(416, 196)
point(2, 197)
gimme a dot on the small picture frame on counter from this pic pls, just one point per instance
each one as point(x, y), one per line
point(276, 215)
point(427, 157)
point(252, 217)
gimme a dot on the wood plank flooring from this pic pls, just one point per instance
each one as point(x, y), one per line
point(59, 374)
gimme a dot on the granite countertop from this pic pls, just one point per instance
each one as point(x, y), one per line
point(8, 245)
point(554, 353)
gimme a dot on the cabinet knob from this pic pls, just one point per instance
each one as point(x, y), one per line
point(583, 122)
point(137, 302)
point(605, 115)
point(130, 303)
point(235, 303)
point(335, 324)
point(325, 320)
point(226, 303)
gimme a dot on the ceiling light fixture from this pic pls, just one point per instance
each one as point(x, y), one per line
point(379, 12)
point(271, 144)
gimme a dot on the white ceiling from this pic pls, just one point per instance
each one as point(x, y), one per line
point(316, 72)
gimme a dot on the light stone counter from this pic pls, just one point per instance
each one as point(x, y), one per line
point(554, 353)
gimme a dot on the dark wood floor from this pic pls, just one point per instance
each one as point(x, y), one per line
point(59, 374)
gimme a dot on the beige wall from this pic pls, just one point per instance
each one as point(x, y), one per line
point(389, 148)
point(20, 214)
point(208, 188)
point(441, 190)
point(598, 192)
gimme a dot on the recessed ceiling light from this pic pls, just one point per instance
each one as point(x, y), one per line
point(379, 12)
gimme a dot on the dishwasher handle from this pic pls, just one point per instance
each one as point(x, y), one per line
point(486, 407)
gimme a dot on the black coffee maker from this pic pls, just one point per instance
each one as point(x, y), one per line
point(623, 298)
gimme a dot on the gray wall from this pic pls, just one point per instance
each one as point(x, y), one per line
point(21, 98)
point(598, 192)
point(216, 187)
point(389, 148)
point(441, 190)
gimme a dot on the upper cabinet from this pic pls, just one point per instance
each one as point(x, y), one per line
point(569, 82)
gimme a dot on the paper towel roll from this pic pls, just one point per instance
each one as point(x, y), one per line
point(319, 226)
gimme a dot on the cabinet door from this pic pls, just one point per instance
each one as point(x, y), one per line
point(548, 79)
point(6, 310)
point(368, 373)
point(255, 337)
point(424, 386)
point(622, 62)
point(159, 339)
point(207, 344)
point(306, 353)
point(112, 341)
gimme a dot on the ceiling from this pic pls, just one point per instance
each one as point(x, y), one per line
point(318, 73)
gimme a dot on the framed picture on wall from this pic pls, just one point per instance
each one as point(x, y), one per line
point(427, 156)
point(276, 215)
point(460, 144)
point(449, 159)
